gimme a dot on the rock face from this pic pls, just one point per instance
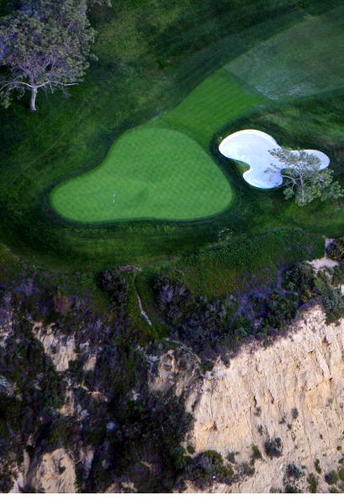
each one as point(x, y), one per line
point(292, 390)
point(53, 473)
point(60, 348)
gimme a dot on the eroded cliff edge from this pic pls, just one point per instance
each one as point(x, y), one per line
point(292, 390)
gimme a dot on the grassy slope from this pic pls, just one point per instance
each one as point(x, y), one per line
point(237, 266)
point(149, 173)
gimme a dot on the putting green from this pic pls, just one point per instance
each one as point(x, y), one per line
point(161, 170)
point(149, 173)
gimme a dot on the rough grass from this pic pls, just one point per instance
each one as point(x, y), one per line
point(236, 267)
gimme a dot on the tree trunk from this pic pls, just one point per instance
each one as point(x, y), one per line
point(33, 99)
point(302, 190)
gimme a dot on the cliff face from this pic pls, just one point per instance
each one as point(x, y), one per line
point(292, 390)
point(275, 413)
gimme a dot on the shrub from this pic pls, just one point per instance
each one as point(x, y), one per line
point(260, 429)
point(290, 488)
point(172, 297)
point(338, 274)
point(247, 469)
point(317, 466)
point(341, 473)
point(273, 447)
point(231, 456)
point(300, 279)
point(312, 483)
point(6, 482)
point(273, 311)
point(336, 249)
point(116, 287)
point(294, 471)
point(258, 412)
point(208, 466)
point(295, 413)
point(256, 454)
point(331, 477)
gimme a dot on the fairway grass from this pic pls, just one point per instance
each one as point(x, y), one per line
point(300, 61)
point(148, 174)
point(218, 100)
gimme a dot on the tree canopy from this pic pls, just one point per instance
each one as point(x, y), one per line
point(44, 44)
point(304, 179)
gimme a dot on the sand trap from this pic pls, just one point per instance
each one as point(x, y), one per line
point(252, 147)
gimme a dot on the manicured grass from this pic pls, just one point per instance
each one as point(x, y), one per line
point(151, 56)
point(149, 173)
point(216, 101)
point(156, 173)
point(299, 61)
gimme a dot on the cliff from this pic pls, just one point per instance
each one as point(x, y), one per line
point(292, 390)
point(86, 407)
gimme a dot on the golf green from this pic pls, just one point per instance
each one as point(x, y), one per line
point(149, 173)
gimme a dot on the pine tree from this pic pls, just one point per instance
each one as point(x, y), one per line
point(303, 177)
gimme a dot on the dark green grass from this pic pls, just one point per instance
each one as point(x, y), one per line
point(236, 267)
point(149, 173)
point(150, 58)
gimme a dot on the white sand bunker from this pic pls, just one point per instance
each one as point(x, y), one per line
point(252, 147)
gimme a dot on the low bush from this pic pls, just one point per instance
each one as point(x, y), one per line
point(208, 467)
point(294, 472)
point(317, 465)
point(256, 454)
point(331, 477)
point(274, 447)
point(312, 483)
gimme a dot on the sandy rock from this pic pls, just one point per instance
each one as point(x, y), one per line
point(292, 390)
point(53, 473)
point(60, 348)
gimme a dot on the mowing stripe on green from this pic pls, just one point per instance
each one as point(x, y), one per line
point(148, 174)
